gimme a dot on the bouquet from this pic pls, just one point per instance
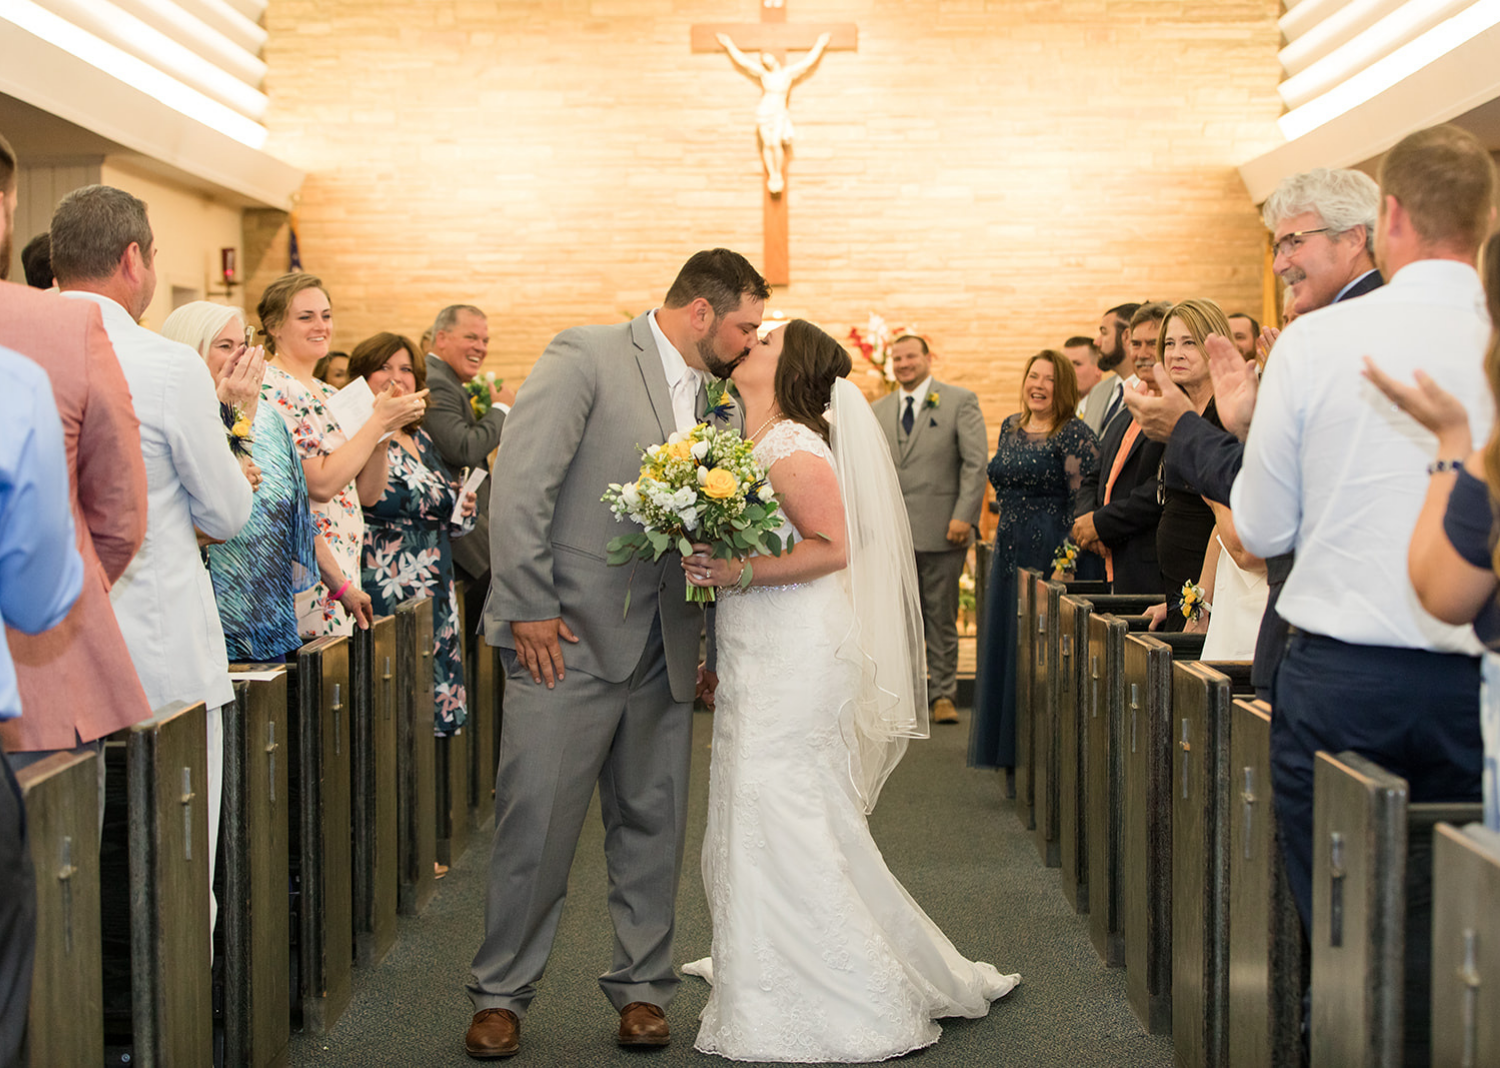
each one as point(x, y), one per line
point(700, 486)
point(478, 389)
point(1065, 559)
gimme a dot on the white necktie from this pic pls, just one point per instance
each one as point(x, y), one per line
point(685, 401)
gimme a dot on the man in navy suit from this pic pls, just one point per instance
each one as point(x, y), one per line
point(1323, 222)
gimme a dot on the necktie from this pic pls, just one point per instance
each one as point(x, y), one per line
point(909, 417)
point(685, 401)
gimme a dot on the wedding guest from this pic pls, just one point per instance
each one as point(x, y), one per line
point(1114, 337)
point(77, 683)
point(406, 546)
point(1145, 328)
point(104, 253)
point(41, 574)
point(333, 369)
point(465, 440)
point(1098, 390)
point(36, 261)
point(341, 469)
point(1043, 471)
point(935, 432)
point(258, 573)
point(1244, 331)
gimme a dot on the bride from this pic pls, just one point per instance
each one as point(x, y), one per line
point(819, 954)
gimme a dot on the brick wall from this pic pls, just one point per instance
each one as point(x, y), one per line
point(998, 171)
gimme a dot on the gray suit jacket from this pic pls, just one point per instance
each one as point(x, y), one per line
point(595, 397)
point(941, 464)
point(463, 440)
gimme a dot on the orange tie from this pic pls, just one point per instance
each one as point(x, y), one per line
point(1132, 432)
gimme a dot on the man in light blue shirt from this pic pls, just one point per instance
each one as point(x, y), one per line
point(41, 575)
point(1335, 472)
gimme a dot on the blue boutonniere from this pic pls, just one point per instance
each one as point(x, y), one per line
point(720, 401)
point(932, 401)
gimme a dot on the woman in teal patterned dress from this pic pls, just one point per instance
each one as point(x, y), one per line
point(406, 543)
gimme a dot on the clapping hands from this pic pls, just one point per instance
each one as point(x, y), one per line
point(395, 408)
point(238, 381)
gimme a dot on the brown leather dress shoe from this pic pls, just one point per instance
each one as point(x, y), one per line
point(643, 1024)
point(493, 1033)
point(943, 711)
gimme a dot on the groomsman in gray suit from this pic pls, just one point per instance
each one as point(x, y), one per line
point(597, 693)
point(938, 442)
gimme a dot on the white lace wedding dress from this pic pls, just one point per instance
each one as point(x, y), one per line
point(819, 954)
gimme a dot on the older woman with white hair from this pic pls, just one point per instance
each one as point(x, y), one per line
point(258, 574)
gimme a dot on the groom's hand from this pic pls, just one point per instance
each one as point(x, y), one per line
point(538, 650)
point(708, 683)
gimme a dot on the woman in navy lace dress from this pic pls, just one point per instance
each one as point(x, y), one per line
point(406, 547)
point(1045, 465)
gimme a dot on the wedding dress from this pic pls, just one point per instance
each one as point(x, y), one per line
point(819, 954)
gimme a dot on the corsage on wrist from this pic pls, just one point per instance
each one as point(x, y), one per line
point(1195, 603)
point(1065, 559)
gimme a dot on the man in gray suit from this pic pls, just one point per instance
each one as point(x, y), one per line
point(599, 687)
point(460, 341)
point(938, 442)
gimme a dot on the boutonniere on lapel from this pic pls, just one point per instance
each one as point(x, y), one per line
point(720, 400)
point(933, 400)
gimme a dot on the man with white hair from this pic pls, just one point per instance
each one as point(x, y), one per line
point(1323, 231)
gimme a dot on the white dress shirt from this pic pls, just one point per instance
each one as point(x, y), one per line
point(1335, 471)
point(919, 397)
point(683, 381)
point(165, 601)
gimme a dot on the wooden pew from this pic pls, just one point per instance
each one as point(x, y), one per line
point(416, 795)
point(487, 699)
point(254, 913)
point(1267, 947)
point(1466, 946)
point(65, 1020)
point(320, 703)
point(451, 777)
point(1146, 823)
point(1372, 865)
point(1026, 623)
point(373, 729)
point(1047, 678)
point(171, 983)
point(1202, 703)
point(1106, 762)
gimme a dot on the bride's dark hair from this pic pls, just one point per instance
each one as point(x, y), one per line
point(810, 363)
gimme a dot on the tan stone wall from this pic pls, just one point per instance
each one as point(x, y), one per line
point(998, 171)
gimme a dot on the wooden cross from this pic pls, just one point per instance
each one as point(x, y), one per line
point(774, 35)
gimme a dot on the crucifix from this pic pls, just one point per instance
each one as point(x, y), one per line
point(760, 49)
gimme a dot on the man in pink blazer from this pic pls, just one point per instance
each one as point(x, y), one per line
point(77, 681)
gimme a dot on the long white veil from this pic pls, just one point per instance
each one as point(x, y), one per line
point(885, 641)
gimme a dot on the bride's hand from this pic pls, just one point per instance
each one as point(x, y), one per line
point(703, 569)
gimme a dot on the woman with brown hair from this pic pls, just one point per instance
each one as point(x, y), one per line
point(822, 683)
point(1045, 465)
point(407, 552)
point(341, 469)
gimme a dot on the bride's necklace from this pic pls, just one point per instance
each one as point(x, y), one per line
point(774, 416)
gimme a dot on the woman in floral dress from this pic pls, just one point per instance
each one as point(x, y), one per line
point(1044, 459)
point(406, 543)
point(341, 470)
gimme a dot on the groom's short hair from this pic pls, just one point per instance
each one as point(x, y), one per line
point(721, 277)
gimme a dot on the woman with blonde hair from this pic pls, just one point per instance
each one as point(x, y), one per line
point(1045, 465)
point(277, 555)
point(342, 469)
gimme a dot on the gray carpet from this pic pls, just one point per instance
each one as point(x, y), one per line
point(947, 833)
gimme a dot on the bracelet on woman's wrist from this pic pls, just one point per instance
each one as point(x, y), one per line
point(333, 600)
point(1439, 467)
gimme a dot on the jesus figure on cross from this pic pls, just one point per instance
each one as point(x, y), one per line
point(773, 117)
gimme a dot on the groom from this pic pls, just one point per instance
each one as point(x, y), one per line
point(597, 693)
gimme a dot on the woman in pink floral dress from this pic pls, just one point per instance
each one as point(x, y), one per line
point(297, 321)
point(407, 548)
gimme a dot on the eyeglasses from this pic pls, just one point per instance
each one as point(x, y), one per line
point(1289, 243)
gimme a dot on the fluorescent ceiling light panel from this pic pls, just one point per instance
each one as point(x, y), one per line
point(1392, 69)
point(133, 72)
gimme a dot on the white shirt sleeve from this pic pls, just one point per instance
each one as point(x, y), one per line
point(220, 494)
point(1267, 495)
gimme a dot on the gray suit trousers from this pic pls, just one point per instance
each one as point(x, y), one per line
point(634, 741)
point(937, 576)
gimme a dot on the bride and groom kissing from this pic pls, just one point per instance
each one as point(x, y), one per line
point(808, 923)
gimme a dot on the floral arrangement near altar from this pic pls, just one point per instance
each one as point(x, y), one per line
point(478, 389)
point(875, 341)
point(702, 486)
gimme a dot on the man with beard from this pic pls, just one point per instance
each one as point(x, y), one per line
point(601, 662)
point(1323, 225)
point(1244, 331)
point(1114, 332)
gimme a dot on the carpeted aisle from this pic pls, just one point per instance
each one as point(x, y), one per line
point(946, 832)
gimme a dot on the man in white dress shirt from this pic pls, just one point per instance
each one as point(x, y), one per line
point(1336, 472)
point(102, 251)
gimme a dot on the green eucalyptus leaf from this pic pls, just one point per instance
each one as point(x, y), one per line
point(746, 575)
